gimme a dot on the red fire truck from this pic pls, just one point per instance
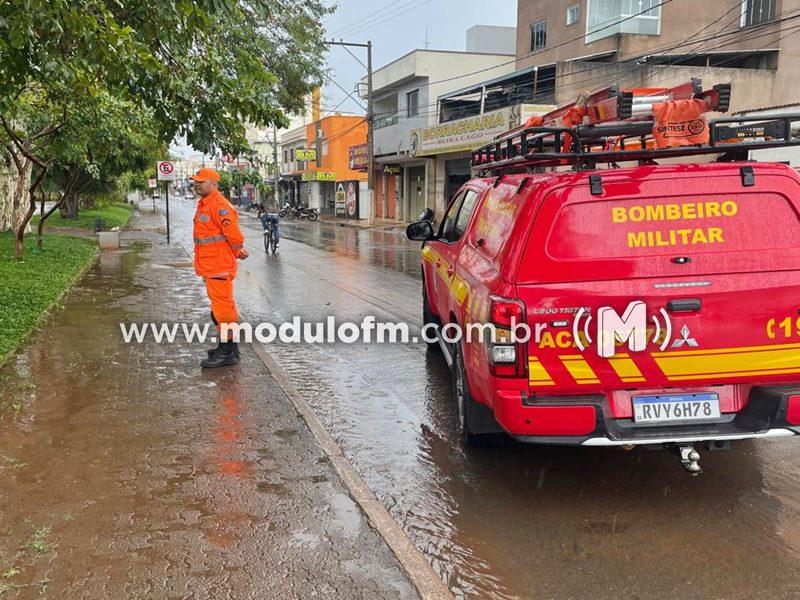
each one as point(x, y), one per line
point(662, 300)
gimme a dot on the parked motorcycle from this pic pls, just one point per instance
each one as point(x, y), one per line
point(307, 213)
point(299, 212)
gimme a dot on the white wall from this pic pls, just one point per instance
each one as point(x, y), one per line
point(421, 69)
point(490, 38)
point(363, 200)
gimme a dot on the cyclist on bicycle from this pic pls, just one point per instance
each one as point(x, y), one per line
point(265, 217)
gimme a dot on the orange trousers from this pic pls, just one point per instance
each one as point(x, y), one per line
point(223, 306)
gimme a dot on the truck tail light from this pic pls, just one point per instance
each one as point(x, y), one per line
point(506, 359)
point(506, 312)
point(793, 410)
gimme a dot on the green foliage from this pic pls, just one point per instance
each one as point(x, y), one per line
point(31, 285)
point(115, 215)
point(238, 178)
point(112, 138)
point(200, 67)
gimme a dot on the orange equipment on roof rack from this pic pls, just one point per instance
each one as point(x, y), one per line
point(643, 124)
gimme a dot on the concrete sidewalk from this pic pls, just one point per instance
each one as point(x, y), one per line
point(387, 225)
point(129, 473)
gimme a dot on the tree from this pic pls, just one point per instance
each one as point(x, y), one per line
point(201, 68)
point(29, 126)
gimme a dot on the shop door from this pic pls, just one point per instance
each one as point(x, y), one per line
point(416, 192)
point(458, 172)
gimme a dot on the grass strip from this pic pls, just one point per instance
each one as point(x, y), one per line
point(114, 215)
point(31, 286)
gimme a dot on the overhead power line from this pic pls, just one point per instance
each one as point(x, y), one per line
point(600, 80)
point(388, 18)
point(370, 16)
point(564, 43)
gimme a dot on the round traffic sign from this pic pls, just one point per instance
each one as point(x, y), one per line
point(166, 167)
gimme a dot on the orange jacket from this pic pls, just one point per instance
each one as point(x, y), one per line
point(217, 237)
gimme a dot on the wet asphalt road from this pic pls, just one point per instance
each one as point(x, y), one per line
point(515, 521)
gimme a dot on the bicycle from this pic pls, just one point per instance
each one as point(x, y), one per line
point(270, 242)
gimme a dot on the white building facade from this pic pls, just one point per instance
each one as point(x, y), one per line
point(406, 96)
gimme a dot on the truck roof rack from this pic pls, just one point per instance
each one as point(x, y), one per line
point(618, 126)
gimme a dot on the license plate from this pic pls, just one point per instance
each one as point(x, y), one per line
point(675, 408)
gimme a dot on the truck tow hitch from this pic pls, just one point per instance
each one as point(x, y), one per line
point(690, 459)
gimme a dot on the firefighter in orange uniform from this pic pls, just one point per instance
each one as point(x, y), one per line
point(218, 243)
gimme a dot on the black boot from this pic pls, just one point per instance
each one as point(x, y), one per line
point(216, 350)
point(226, 355)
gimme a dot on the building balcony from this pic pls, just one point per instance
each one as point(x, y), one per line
point(382, 122)
point(610, 17)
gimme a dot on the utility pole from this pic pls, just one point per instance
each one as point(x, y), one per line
point(370, 122)
point(277, 169)
point(370, 133)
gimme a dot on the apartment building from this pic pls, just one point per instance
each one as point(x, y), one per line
point(578, 45)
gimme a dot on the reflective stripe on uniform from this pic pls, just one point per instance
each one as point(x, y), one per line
point(209, 240)
point(236, 246)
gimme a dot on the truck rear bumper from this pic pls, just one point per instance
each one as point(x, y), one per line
point(605, 441)
point(764, 416)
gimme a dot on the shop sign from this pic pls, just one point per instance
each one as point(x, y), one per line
point(358, 158)
point(340, 199)
point(352, 198)
point(391, 169)
point(462, 134)
point(306, 154)
point(319, 176)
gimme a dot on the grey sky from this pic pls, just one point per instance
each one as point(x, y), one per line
point(397, 27)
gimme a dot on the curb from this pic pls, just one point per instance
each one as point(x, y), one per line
point(416, 567)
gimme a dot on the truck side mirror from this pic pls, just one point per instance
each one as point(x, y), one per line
point(426, 215)
point(420, 231)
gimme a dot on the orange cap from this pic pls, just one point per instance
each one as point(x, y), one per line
point(205, 175)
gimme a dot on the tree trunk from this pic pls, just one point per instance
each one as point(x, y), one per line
point(7, 185)
point(45, 215)
point(69, 207)
point(13, 188)
point(19, 210)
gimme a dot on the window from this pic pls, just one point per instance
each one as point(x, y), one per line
point(539, 35)
point(412, 103)
point(470, 201)
point(605, 18)
point(756, 12)
point(449, 221)
point(573, 14)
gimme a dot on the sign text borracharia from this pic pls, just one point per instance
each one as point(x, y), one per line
point(462, 134)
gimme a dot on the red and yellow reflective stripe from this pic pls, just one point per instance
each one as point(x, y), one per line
point(626, 369)
point(579, 369)
point(730, 362)
point(537, 374)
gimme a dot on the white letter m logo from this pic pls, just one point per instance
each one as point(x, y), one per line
point(613, 329)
